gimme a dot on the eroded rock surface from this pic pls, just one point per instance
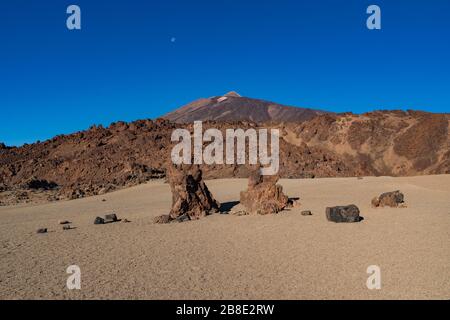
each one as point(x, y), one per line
point(191, 198)
point(264, 195)
point(348, 213)
point(390, 199)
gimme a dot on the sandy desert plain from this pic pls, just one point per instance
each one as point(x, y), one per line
point(225, 256)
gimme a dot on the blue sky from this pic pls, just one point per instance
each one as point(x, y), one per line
point(122, 64)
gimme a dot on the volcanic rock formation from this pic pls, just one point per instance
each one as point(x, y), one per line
point(191, 198)
point(264, 195)
point(233, 107)
point(391, 199)
point(104, 159)
point(348, 213)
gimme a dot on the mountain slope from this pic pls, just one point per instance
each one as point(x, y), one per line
point(394, 143)
point(99, 160)
point(233, 107)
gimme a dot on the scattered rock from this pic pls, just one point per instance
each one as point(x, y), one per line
point(263, 195)
point(41, 230)
point(293, 203)
point(165, 218)
point(191, 198)
point(103, 200)
point(22, 195)
point(110, 218)
point(67, 227)
point(306, 213)
point(296, 203)
point(99, 220)
point(64, 222)
point(348, 213)
point(390, 199)
point(239, 213)
point(125, 221)
point(75, 194)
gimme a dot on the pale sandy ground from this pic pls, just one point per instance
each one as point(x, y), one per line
point(284, 256)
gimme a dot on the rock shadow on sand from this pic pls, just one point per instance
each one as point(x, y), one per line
point(226, 207)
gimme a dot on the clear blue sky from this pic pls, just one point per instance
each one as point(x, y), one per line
point(123, 65)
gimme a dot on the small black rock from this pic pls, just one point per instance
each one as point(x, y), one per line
point(99, 220)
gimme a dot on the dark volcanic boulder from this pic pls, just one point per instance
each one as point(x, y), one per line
point(111, 218)
point(191, 198)
point(99, 220)
point(348, 213)
point(391, 199)
point(264, 195)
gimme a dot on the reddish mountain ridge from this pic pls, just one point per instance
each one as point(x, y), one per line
point(233, 107)
point(100, 159)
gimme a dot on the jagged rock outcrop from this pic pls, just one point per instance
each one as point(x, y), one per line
point(264, 195)
point(394, 143)
point(105, 159)
point(191, 198)
point(390, 199)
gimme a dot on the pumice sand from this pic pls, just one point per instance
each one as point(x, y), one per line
point(225, 256)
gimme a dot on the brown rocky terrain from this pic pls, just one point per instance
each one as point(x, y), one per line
point(99, 160)
point(394, 143)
